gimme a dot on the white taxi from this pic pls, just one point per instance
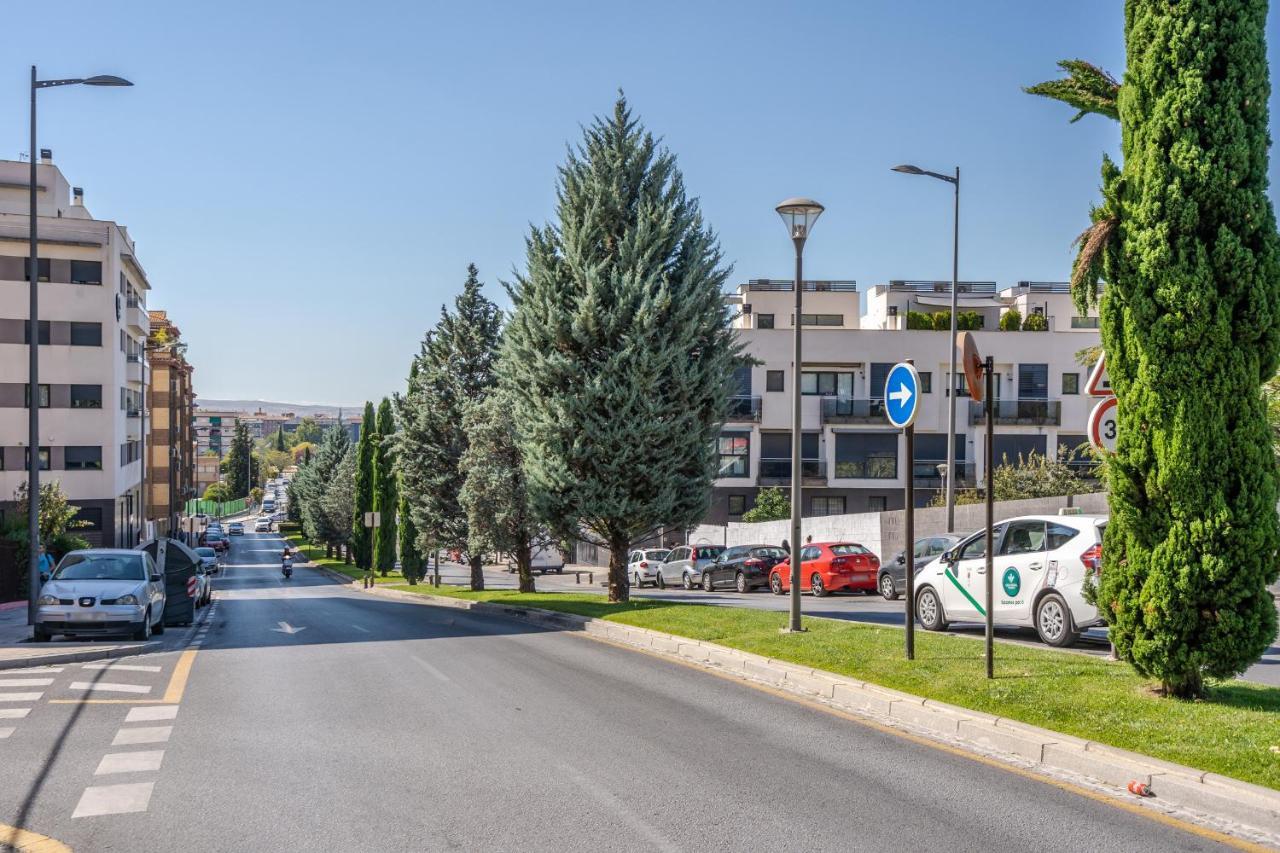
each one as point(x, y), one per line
point(1041, 564)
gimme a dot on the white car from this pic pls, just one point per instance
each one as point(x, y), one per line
point(262, 525)
point(644, 565)
point(102, 591)
point(1041, 564)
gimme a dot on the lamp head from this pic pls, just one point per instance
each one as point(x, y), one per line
point(799, 215)
point(106, 80)
point(908, 169)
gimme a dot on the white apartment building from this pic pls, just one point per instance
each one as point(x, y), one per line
point(852, 459)
point(92, 341)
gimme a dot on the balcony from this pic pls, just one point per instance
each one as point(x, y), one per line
point(847, 410)
point(926, 475)
point(743, 410)
point(777, 472)
point(1039, 412)
point(136, 315)
point(133, 413)
point(133, 367)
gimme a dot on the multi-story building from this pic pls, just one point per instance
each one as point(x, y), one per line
point(171, 454)
point(208, 472)
point(852, 459)
point(93, 327)
point(214, 430)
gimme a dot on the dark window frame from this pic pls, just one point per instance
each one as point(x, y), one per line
point(736, 459)
point(765, 321)
point(86, 275)
point(88, 462)
point(775, 380)
point(93, 400)
point(45, 395)
point(81, 329)
point(739, 501)
point(1072, 388)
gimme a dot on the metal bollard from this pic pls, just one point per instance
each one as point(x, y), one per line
point(577, 577)
point(591, 578)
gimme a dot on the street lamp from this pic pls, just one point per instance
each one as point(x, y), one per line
point(33, 369)
point(799, 215)
point(954, 180)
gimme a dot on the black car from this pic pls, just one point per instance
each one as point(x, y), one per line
point(744, 567)
point(892, 581)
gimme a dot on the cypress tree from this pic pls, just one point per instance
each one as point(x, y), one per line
point(385, 500)
point(410, 556)
point(366, 449)
point(280, 445)
point(618, 354)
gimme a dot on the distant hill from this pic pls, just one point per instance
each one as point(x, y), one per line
point(273, 408)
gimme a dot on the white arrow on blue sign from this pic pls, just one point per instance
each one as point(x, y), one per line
point(902, 395)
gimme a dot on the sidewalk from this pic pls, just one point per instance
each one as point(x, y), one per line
point(17, 650)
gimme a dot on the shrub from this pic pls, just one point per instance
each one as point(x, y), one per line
point(1011, 320)
point(919, 320)
point(1035, 323)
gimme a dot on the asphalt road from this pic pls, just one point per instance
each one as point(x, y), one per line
point(319, 718)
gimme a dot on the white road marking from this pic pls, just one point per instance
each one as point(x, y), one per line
point(14, 713)
point(5, 731)
point(151, 712)
point(110, 687)
point(142, 734)
point(123, 667)
point(25, 682)
point(114, 799)
point(41, 670)
point(359, 628)
point(431, 669)
point(20, 697)
point(129, 762)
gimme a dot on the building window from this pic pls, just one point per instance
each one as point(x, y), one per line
point(741, 382)
point(774, 380)
point(86, 396)
point(820, 505)
point(764, 321)
point(1033, 381)
point(820, 319)
point(876, 503)
point(735, 454)
point(44, 458)
point(90, 518)
point(962, 385)
point(44, 396)
point(42, 266)
point(83, 458)
point(926, 382)
point(879, 376)
point(43, 333)
point(86, 272)
point(826, 383)
point(867, 455)
point(86, 334)
point(1084, 322)
point(1070, 383)
point(737, 504)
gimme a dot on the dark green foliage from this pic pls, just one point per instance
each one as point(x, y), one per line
point(1086, 87)
point(280, 443)
point(361, 536)
point(965, 320)
point(237, 463)
point(1035, 323)
point(919, 320)
point(1189, 326)
point(313, 482)
point(410, 556)
point(385, 497)
point(772, 504)
point(1011, 320)
point(618, 354)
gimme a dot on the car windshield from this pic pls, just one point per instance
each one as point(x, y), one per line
point(206, 552)
point(768, 552)
point(850, 548)
point(707, 553)
point(213, 536)
point(656, 555)
point(101, 567)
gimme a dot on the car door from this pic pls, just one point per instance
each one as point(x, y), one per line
point(1020, 569)
point(808, 565)
point(155, 588)
point(962, 576)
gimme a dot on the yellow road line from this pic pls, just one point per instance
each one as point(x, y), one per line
point(1096, 796)
point(172, 694)
point(30, 842)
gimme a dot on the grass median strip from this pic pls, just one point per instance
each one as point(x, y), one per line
point(1231, 733)
point(316, 555)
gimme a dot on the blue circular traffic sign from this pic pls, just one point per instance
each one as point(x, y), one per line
point(902, 395)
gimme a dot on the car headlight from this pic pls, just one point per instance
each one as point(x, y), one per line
point(47, 599)
point(127, 599)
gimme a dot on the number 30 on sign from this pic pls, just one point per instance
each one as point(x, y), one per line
point(1104, 426)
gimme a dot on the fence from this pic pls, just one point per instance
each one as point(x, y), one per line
point(218, 509)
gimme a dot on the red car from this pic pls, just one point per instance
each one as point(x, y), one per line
point(214, 540)
point(827, 567)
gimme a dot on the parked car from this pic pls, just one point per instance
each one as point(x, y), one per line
point(643, 564)
point(684, 565)
point(235, 528)
point(827, 567)
point(102, 591)
point(209, 559)
point(893, 575)
point(744, 567)
point(279, 515)
point(215, 540)
point(262, 524)
point(204, 586)
point(1041, 565)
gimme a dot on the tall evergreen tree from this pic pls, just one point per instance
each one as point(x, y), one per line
point(280, 443)
point(455, 366)
point(1186, 241)
point(237, 462)
point(410, 556)
point(339, 498)
point(385, 500)
point(619, 314)
point(366, 450)
point(318, 474)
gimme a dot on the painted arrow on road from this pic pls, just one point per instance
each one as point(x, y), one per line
point(902, 395)
point(286, 628)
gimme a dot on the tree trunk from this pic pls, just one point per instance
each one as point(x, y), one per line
point(523, 555)
point(619, 583)
point(346, 553)
point(328, 550)
point(477, 571)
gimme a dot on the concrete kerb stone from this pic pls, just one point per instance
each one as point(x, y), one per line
point(55, 658)
point(1208, 793)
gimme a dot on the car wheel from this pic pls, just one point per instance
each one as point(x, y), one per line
point(687, 581)
point(662, 582)
point(1053, 621)
point(158, 628)
point(143, 633)
point(40, 635)
point(888, 589)
point(815, 584)
point(929, 611)
point(639, 583)
point(775, 583)
point(740, 583)
point(707, 584)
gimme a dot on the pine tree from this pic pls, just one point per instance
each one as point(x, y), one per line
point(410, 556)
point(319, 473)
point(385, 499)
point(618, 354)
point(494, 493)
point(455, 366)
point(366, 449)
point(339, 498)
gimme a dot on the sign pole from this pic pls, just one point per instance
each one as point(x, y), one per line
point(991, 422)
point(901, 404)
point(911, 537)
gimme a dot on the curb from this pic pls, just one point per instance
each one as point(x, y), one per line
point(84, 655)
point(1173, 784)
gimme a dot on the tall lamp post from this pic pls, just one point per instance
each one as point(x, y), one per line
point(950, 487)
point(799, 215)
point(33, 368)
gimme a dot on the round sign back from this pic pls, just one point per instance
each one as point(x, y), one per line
point(971, 363)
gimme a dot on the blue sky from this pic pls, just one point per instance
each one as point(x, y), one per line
point(307, 181)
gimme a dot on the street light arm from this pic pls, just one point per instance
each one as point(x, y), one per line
point(45, 84)
point(951, 179)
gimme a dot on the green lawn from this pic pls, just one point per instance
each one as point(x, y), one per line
point(1231, 732)
point(316, 555)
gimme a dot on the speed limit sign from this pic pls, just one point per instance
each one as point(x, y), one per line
point(1104, 426)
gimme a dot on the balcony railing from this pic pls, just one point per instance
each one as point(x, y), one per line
point(1038, 412)
point(133, 413)
point(743, 409)
point(134, 358)
point(901, 285)
point(787, 285)
point(778, 470)
point(926, 475)
point(848, 410)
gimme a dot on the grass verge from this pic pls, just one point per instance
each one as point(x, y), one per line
point(1232, 732)
point(316, 555)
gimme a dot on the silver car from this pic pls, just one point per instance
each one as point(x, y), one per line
point(892, 581)
point(101, 591)
point(686, 564)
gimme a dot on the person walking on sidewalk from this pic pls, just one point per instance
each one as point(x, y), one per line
point(45, 562)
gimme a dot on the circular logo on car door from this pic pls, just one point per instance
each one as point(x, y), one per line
point(1012, 581)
